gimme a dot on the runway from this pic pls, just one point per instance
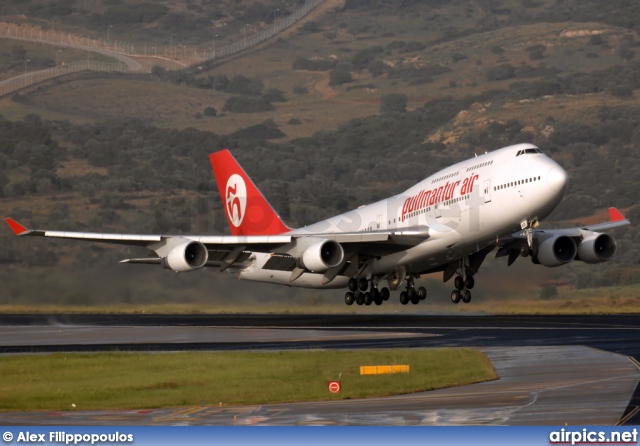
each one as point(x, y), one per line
point(571, 369)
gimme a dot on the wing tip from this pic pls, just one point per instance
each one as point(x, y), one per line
point(16, 227)
point(615, 215)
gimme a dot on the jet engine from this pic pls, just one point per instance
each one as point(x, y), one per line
point(557, 251)
point(186, 256)
point(597, 248)
point(321, 256)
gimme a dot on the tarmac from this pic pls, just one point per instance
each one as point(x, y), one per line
point(573, 370)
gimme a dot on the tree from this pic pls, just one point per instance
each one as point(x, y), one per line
point(339, 77)
point(393, 103)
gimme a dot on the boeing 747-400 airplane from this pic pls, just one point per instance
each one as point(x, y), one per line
point(447, 223)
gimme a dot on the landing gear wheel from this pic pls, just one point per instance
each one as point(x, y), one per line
point(349, 298)
point(363, 284)
point(404, 298)
point(469, 282)
point(458, 283)
point(367, 299)
point(455, 296)
point(352, 284)
point(376, 296)
point(360, 298)
point(422, 293)
point(411, 293)
point(385, 293)
point(415, 299)
point(466, 296)
point(525, 251)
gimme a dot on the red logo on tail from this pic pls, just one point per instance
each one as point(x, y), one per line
point(236, 199)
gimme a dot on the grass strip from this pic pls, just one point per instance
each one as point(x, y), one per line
point(121, 380)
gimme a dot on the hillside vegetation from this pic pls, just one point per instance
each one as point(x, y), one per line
point(361, 103)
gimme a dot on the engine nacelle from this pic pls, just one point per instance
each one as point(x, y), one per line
point(321, 256)
point(186, 257)
point(557, 251)
point(597, 248)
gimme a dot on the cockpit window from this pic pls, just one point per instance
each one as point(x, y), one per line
point(526, 151)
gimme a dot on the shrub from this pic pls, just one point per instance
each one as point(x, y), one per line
point(246, 104)
point(393, 103)
point(500, 72)
point(300, 89)
point(363, 57)
point(273, 95)
point(243, 85)
point(377, 67)
point(536, 52)
point(311, 27)
point(210, 111)
point(339, 77)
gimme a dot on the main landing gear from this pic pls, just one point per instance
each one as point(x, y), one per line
point(463, 285)
point(358, 292)
point(412, 295)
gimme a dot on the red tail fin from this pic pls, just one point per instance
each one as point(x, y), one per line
point(247, 211)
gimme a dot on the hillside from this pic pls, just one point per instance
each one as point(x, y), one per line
point(336, 115)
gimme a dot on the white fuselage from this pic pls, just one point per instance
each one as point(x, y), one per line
point(465, 207)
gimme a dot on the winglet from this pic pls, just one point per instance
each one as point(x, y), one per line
point(615, 215)
point(16, 227)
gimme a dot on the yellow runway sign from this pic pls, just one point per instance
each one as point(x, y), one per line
point(383, 369)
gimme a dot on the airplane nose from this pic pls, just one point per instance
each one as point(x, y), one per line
point(557, 179)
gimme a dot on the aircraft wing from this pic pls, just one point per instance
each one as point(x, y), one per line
point(511, 245)
point(227, 250)
point(616, 220)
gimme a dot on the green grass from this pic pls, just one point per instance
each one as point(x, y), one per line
point(140, 380)
point(495, 299)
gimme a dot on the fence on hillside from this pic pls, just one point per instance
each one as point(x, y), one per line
point(265, 34)
point(132, 59)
